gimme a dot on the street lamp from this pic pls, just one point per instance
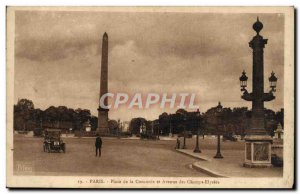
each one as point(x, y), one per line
point(273, 82)
point(197, 149)
point(243, 81)
point(157, 128)
point(219, 112)
point(170, 122)
point(118, 128)
point(184, 132)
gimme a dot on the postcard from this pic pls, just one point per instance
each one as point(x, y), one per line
point(150, 97)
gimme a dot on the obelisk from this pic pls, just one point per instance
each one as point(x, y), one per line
point(103, 112)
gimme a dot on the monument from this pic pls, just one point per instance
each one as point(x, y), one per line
point(103, 112)
point(257, 140)
point(278, 134)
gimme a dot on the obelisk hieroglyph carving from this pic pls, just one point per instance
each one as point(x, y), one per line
point(102, 111)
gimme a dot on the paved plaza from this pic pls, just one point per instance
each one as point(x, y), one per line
point(120, 157)
point(134, 157)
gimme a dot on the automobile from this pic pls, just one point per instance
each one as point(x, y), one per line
point(229, 137)
point(53, 141)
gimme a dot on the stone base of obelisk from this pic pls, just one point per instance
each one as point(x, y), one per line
point(103, 131)
point(258, 151)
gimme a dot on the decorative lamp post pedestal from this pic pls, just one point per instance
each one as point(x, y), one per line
point(257, 140)
point(258, 151)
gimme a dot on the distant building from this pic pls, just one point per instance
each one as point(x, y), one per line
point(125, 126)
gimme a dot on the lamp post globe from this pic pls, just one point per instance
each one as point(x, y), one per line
point(243, 81)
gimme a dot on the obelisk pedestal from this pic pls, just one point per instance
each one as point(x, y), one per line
point(103, 129)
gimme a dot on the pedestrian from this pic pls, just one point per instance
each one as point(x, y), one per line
point(98, 145)
point(177, 143)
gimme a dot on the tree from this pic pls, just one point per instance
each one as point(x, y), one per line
point(94, 123)
point(25, 104)
point(135, 125)
point(164, 122)
point(23, 114)
point(83, 114)
point(26, 117)
point(280, 117)
point(113, 126)
point(51, 115)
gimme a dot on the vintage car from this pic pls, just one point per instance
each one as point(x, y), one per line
point(53, 141)
point(229, 137)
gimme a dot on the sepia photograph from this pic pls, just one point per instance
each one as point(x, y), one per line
point(150, 97)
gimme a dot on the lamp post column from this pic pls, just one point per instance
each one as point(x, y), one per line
point(197, 149)
point(257, 140)
point(219, 112)
point(184, 132)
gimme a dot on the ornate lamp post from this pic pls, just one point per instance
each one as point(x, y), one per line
point(118, 128)
point(184, 132)
point(197, 149)
point(257, 140)
point(170, 122)
point(219, 112)
point(156, 129)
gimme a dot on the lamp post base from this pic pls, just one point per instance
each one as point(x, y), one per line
point(218, 156)
point(258, 151)
point(252, 165)
point(197, 150)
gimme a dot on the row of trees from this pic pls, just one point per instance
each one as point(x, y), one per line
point(230, 121)
point(26, 117)
point(236, 120)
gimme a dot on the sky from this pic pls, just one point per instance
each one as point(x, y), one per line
point(58, 57)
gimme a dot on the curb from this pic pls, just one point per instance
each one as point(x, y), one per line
point(207, 171)
point(196, 166)
point(193, 156)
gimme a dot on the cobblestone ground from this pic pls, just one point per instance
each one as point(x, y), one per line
point(120, 157)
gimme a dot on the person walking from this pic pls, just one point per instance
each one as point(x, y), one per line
point(98, 145)
point(177, 143)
